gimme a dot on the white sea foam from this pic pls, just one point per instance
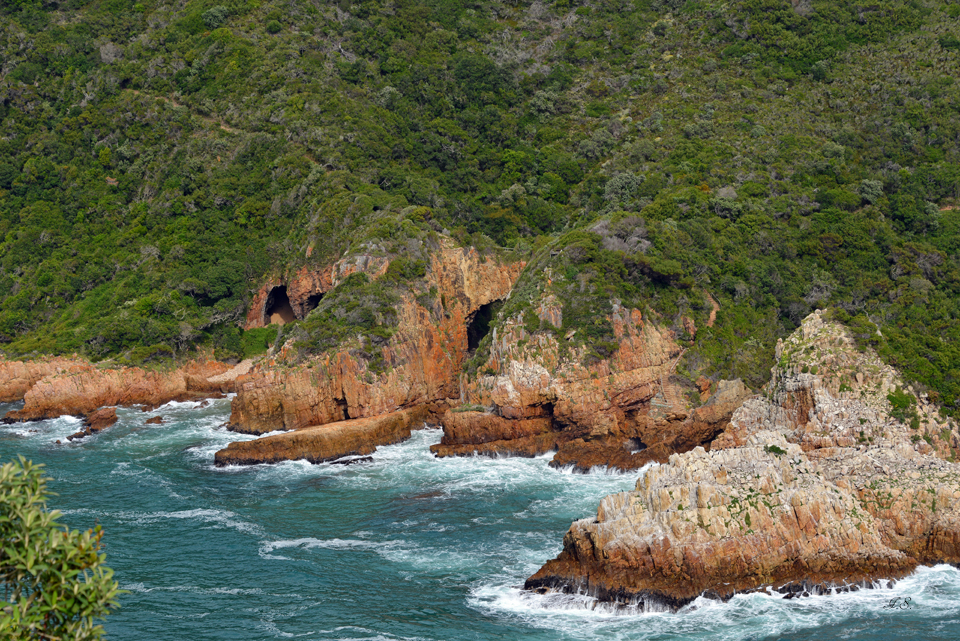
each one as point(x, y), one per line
point(435, 525)
point(144, 588)
point(369, 635)
point(213, 517)
point(308, 543)
point(933, 592)
point(49, 430)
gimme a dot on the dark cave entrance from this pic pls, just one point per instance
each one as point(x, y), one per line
point(278, 309)
point(312, 301)
point(342, 406)
point(479, 325)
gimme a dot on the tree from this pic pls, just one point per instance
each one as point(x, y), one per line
point(53, 578)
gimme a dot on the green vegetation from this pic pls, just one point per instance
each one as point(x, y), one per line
point(158, 161)
point(54, 582)
point(903, 405)
point(775, 450)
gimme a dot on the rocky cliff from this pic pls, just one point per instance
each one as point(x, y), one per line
point(622, 411)
point(422, 360)
point(308, 284)
point(824, 392)
point(827, 479)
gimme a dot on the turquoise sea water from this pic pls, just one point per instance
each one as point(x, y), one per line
point(406, 547)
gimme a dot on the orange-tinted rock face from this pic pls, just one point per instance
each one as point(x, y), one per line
point(83, 389)
point(103, 417)
point(623, 411)
point(625, 443)
point(815, 482)
point(17, 377)
point(422, 359)
point(305, 288)
point(95, 422)
point(327, 442)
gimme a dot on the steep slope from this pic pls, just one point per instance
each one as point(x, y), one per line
point(163, 161)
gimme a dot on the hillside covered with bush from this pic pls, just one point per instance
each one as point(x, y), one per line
point(158, 159)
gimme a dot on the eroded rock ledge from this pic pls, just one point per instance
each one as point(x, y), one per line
point(329, 442)
point(813, 483)
point(624, 441)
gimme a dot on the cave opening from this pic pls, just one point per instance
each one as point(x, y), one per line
point(479, 325)
point(312, 301)
point(278, 309)
point(342, 406)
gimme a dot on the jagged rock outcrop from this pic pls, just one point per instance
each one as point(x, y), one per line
point(628, 442)
point(723, 522)
point(321, 443)
point(17, 377)
point(915, 498)
point(825, 393)
point(814, 483)
point(82, 389)
point(96, 422)
point(623, 411)
point(421, 361)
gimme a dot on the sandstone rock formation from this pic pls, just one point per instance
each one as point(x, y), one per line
point(17, 377)
point(321, 443)
point(156, 420)
point(723, 522)
point(83, 388)
point(818, 482)
point(308, 284)
point(623, 411)
point(422, 360)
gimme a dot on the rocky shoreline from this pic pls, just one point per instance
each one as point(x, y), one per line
point(814, 483)
point(74, 387)
point(819, 481)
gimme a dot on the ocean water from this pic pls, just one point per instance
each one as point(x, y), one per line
point(405, 547)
